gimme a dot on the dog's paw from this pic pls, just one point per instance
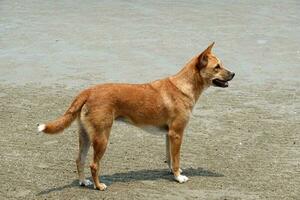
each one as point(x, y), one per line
point(181, 178)
point(85, 182)
point(101, 187)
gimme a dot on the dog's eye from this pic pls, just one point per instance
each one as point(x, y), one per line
point(217, 67)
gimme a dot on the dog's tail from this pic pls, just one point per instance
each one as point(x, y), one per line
point(70, 115)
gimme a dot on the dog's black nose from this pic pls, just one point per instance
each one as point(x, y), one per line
point(232, 75)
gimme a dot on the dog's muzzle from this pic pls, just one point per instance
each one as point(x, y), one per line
point(223, 83)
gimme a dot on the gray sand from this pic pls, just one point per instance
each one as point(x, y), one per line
point(242, 142)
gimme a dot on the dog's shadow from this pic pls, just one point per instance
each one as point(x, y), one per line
point(139, 175)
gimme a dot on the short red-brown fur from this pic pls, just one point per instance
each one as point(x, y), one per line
point(166, 102)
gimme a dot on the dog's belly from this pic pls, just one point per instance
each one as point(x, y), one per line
point(155, 130)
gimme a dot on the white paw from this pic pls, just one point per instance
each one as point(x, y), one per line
point(101, 187)
point(85, 182)
point(181, 178)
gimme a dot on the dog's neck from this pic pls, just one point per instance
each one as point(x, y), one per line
point(189, 81)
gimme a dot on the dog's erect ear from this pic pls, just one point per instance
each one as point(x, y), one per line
point(203, 58)
point(209, 48)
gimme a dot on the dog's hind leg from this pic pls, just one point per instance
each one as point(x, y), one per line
point(84, 145)
point(100, 141)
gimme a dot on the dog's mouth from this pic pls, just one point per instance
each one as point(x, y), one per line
point(220, 83)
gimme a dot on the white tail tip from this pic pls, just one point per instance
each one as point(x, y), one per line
point(41, 127)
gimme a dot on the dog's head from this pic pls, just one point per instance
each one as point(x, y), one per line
point(212, 69)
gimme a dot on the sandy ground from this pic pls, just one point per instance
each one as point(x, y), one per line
point(242, 142)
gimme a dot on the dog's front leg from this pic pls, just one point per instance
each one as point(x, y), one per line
point(175, 136)
point(168, 155)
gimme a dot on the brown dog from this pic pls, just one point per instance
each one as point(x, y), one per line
point(163, 103)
